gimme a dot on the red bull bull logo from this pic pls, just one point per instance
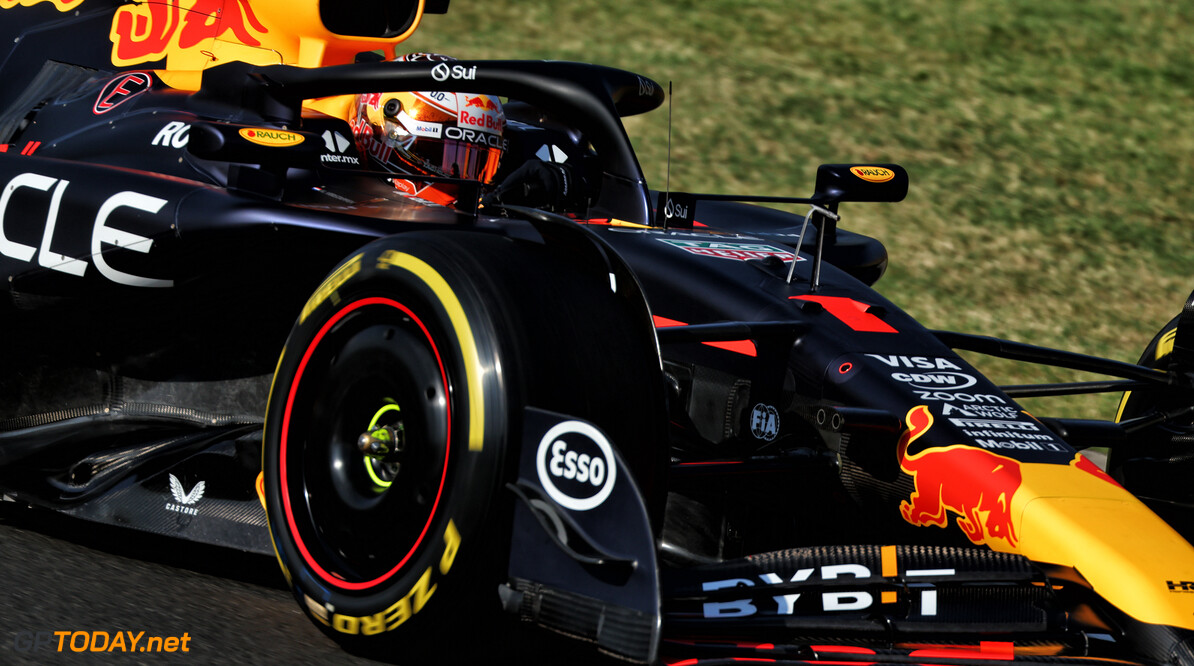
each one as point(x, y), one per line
point(149, 31)
point(974, 484)
point(480, 103)
point(60, 5)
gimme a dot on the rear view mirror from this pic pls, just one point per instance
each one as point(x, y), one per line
point(861, 182)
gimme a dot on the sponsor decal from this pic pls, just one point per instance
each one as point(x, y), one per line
point(337, 145)
point(481, 102)
point(646, 87)
point(103, 235)
point(479, 112)
point(120, 90)
point(966, 398)
point(183, 499)
point(552, 153)
point(147, 31)
point(673, 209)
point(974, 484)
point(920, 362)
point(174, 134)
point(442, 72)
point(997, 425)
point(730, 250)
point(764, 422)
point(271, 137)
point(1180, 586)
point(1004, 434)
point(1005, 412)
point(948, 381)
point(576, 465)
point(484, 137)
point(925, 595)
point(873, 174)
point(60, 5)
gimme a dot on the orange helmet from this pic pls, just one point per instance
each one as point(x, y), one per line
point(431, 133)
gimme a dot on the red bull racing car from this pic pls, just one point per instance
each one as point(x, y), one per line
point(678, 428)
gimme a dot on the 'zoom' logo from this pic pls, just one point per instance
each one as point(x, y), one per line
point(576, 465)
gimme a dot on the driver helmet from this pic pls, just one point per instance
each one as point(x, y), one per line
point(448, 134)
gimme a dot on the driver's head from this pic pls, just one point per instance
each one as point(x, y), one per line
point(431, 133)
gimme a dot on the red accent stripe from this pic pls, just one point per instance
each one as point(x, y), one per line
point(850, 312)
point(30, 147)
point(843, 649)
point(996, 650)
point(744, 347)
point(4, 147)
point(289, 511)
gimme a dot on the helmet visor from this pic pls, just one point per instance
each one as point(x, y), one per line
point(457, 158)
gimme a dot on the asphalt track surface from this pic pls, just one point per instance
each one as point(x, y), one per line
point(61, 574)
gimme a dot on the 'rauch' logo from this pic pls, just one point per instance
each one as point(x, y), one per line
point(272, 138)
point(873, 174)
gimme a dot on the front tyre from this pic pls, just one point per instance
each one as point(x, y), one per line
point(1156, 466)
point(384, 449)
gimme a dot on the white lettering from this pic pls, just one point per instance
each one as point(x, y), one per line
point(844, 601)
point(557, 457)
point(8, 247)
point(570, 465)
point(737, 608)
point(50, 259)
point(786, 603)
point(729, 582)
point(925, 362)
point(831, 571)
point(173, 134)
point(103, 234)
point(945, 396)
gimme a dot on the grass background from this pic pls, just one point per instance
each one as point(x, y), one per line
point(1050, 143)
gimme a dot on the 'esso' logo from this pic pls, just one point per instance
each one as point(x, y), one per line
point(576, 465)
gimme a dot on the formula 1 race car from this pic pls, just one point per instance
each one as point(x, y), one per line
point(676, 427)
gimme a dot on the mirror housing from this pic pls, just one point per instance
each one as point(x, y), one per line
point(860, 182)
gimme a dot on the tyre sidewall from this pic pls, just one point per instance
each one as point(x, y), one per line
point(444, 571)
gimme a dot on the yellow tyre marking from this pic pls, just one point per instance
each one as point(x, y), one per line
point(1165, 344)
point(330, 285)
point(464, 333)
point(1164, 348)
